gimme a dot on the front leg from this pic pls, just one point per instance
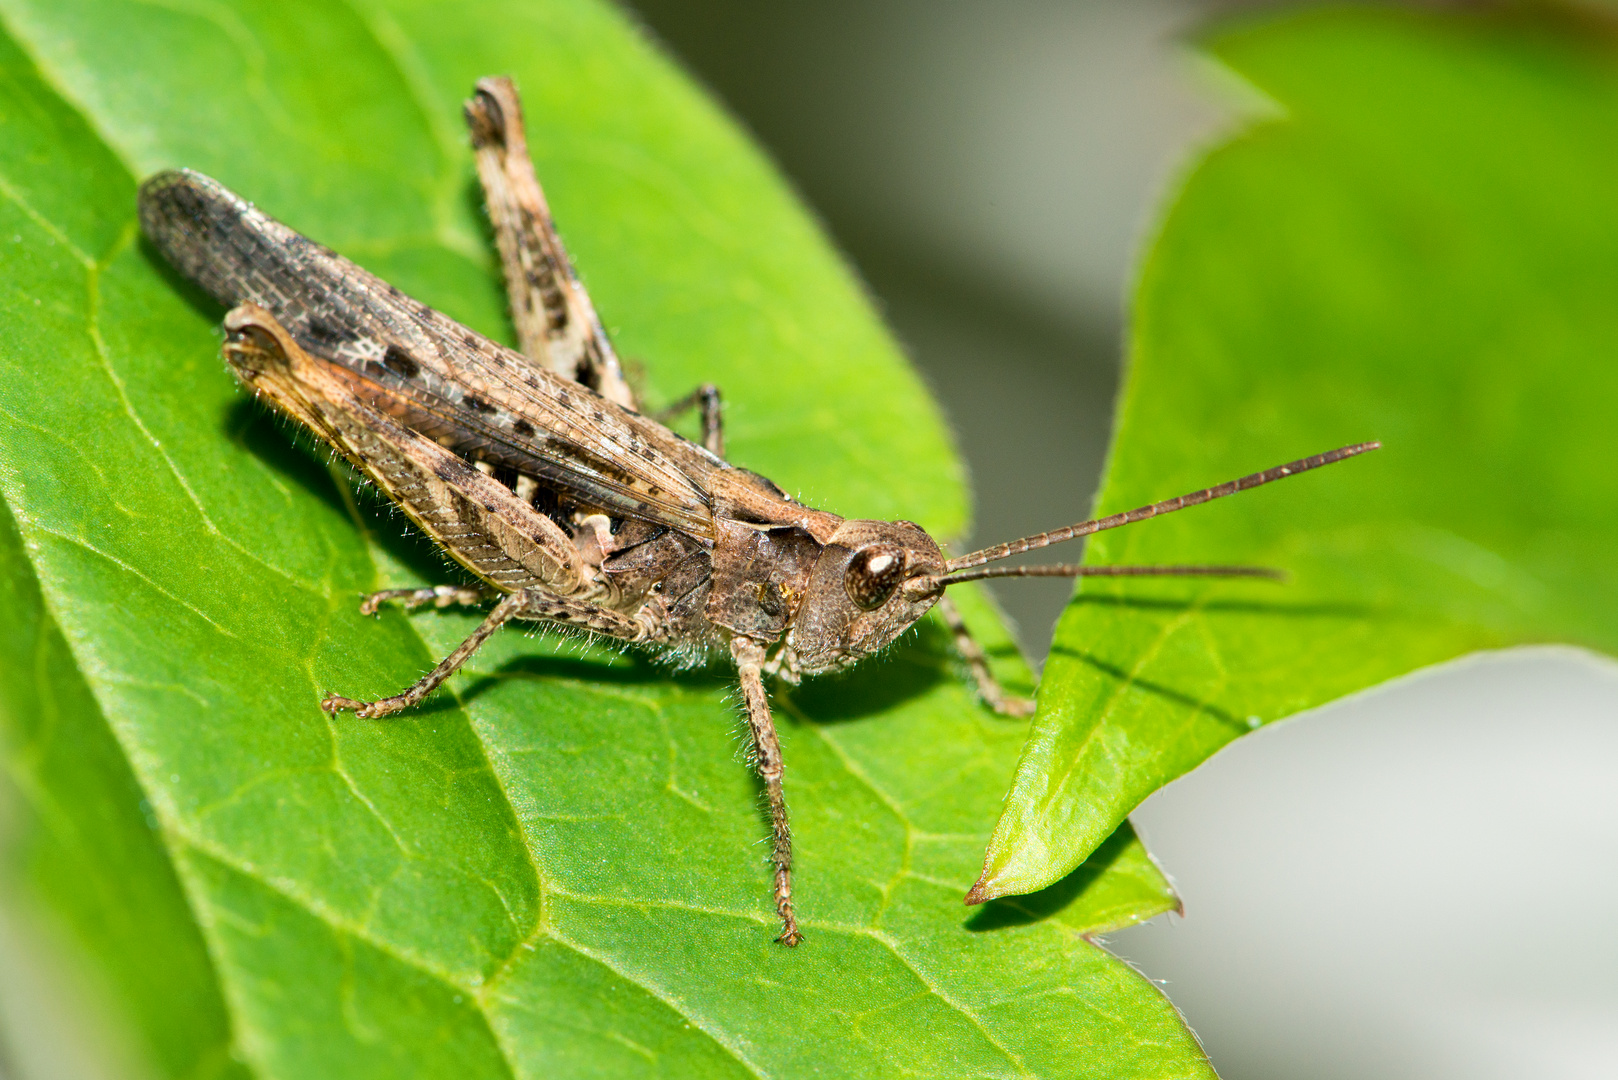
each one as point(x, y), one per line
point(994, 695)
point(749, 656)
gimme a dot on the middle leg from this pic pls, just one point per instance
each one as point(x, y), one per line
point(534, 604)
point(503, 612)
point(713, 421)
point(440, 596)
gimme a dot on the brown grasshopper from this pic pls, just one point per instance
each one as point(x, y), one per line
point(535, 472)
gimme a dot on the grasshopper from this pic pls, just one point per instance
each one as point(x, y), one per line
point(537, 473)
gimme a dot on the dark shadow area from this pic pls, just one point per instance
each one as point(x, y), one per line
point(290, 451)
point(1051, 900)
point(911, 668)
point(1308, 609)
point(1178, 697)
point(303, 460)
point(389, 528)
point(198, 300)
point(642, 669)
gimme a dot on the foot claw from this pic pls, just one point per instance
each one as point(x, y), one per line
point(442, 596)
point(411, 599)
point(365, 710)
point(1016, 706)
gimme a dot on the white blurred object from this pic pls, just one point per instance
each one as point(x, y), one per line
point(1409, 883)
point(58, 1018)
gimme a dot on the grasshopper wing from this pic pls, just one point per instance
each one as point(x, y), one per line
point(474, 396)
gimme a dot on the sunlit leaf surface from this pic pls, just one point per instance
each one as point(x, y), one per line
point(556, 869)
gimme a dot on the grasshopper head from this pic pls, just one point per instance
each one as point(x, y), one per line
point(855, 602)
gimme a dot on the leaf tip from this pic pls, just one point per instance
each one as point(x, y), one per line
point(981, 892)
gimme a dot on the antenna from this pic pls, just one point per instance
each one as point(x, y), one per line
point(1075, 570)
point(1129, 517)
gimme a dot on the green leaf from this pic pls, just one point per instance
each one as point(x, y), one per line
point(556, 870)
point(1421, 248)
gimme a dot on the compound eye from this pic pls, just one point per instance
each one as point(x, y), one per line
point(873, 575)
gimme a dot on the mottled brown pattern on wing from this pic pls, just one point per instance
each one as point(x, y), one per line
point(460, 387)
point(476, 519)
